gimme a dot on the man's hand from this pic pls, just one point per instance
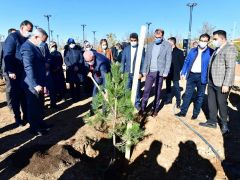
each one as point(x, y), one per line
point(165, 75)
point(140, 76)
point(183, 77)
point(144, 74)
point(89, 74)
point(225, 89)
point(75, 68)
point(12, 76)
point(39, 89)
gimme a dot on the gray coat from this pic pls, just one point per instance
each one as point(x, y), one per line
point(223, 66)
point(164, 58)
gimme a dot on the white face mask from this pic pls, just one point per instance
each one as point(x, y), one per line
point(26, 34)
point(216, 43)
point(202, 45)
point(53, 49)
point(104, 47)
point(133, 44)
point(91, 63)
point(72, 45)
point(88, 49)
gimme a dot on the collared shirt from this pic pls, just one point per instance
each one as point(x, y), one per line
point(133, 51)
point(197, 65)
point(154, 59)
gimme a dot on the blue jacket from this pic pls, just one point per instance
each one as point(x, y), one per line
point(101, 66)
point(11, 53)
point(191, 57)
point(74, 58)
point(126, 60)
point(34, 66)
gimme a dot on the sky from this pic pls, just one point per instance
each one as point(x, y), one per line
point(119, 17)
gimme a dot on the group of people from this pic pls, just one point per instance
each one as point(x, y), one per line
point(32, 68)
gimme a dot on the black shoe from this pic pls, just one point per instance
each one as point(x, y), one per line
point(46, 127)
point(180, 114)
point(225, 130)
point(39, 132)
point(208, 124)
point(168, 102)
point(178, 106)
point(194, 117)
point(141, 112)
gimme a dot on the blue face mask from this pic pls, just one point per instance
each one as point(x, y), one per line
point(158, 40)
point(41, 44)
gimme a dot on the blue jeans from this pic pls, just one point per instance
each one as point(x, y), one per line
point(138, 95)
point(193, 81)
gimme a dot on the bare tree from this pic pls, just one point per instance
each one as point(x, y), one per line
point(112, 39)
point(207, 28)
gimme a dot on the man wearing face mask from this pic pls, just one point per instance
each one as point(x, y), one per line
point(156, 67)
point(98, 65)
point(34, 82)
point(195, 71)
point(13, 71)
point(76, 72)
point(128, 66)
point(221, 73)
point(174, 74)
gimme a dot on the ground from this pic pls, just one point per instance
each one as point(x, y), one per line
point(75, 150)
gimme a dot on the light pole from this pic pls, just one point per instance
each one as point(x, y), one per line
point(191, 6)
point(36, 26)
point(83, 26)
point(94, 39)
point(48, 17)
point(58, 40)
point(148, 26)
point(52, 34)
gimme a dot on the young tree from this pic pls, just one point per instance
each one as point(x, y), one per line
point(114, 110)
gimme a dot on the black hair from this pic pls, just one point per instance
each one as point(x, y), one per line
point(157, 31)
point(221, 33)
point(173, 39)
point(204, 35)
point(25, 23)
point(11, 30)
point(134, 36)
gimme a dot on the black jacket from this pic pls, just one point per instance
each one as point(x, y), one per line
point(177, 63)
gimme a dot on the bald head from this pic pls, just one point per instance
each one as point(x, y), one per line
point(88, 56)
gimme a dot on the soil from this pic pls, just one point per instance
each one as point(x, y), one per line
point(75, 150)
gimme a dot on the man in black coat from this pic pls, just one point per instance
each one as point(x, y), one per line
point(13, 68)
point(174, 74)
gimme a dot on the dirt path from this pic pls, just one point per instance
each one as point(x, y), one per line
point(74, 150)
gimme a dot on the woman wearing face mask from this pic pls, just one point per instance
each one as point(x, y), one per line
point(57, 71)
point(75, 68)
point(104, 50)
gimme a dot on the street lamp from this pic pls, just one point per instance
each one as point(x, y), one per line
point(83, 26)
point(94, 39)
point(48, 17)
point(52, 34)
point(58, 40)
point(148, 26)
point(36, 26)
point(191, 6)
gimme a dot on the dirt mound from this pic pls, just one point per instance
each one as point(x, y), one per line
point(50, 161)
